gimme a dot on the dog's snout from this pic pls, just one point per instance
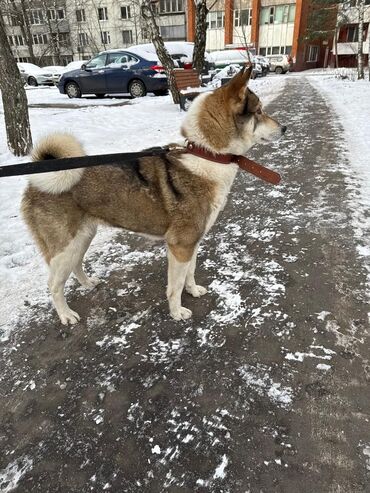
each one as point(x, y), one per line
point(284, 129)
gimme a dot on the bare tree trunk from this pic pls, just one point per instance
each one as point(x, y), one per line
point(336, 45)
point(14, 99)
point(163, 55)
point(360, 56)
point(201, 12)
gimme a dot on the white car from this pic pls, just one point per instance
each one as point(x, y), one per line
point(34, 75)
point(181, 52)
point(73, 65)
point(55, 70)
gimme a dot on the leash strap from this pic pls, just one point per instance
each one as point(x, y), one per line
point(128, 158)
point(48, 165)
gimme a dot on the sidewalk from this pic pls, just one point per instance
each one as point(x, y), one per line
point(266, 389)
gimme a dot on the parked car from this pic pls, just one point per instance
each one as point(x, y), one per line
point(280, 64)
point(115, 71)
point(264, 62)
point(181, 52)
point(224, 58)
point(35, 76)
point(74, 65)
point(55, 70)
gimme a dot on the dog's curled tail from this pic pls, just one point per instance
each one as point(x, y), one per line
point(55, 146)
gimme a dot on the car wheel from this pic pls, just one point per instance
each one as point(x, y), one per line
point(161, 92)
point(278, 70)
point(137, 89)
point(100, 96)
point(32, 81)
point(72, 90)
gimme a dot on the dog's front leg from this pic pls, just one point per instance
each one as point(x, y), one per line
point(190, 285)
point(179, 260)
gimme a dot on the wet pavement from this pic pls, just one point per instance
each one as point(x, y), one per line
point(266, 389)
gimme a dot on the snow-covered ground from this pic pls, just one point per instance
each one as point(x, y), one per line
point(102, 128)
point(351, 102)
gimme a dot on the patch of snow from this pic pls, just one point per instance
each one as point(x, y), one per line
point(13, 473)
point(220, 470)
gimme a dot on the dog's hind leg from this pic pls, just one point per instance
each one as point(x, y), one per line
point(61, 267)
point(190, 285)
point(179, 259)
point(83, 279)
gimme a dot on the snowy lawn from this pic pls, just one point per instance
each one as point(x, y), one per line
point(102, 128)
point(351, 102)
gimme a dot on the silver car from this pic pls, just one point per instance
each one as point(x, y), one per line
point(36, 76)
point(280, 64)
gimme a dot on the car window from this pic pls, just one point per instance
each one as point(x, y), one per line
point(121, 59)
point(97, 62)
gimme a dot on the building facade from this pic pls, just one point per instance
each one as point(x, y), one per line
point(57, 32)
point(348, 36)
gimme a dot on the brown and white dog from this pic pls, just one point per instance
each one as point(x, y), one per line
point(176, 197)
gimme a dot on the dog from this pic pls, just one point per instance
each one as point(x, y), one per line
point(175, 197)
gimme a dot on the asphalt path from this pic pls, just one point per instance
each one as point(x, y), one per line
point(265, 389)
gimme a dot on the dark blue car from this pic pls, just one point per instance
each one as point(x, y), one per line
point(113, 72)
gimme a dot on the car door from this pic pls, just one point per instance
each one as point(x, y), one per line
point(92, 78)
point(120, 70)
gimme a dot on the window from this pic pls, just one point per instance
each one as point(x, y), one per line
point(36, 17)
point(275, 50)
point(280, 14)
point(55, 14)
point(126, 12)
point(291, 15)
point(173, 32)
point(122, 58)
point(105, 37)
point(80, 15)
point(171, 6)
point(83, 39)
point(16, 40)
point(313, 53)
point(262, 51)
point(127, 37)
point(12, 20)
point(352, 34)
point(62, 38)
point(40, 39)
point(288, 50)
point(242, 17)
point(103, 13)
point(98, 61)
point(216, 19)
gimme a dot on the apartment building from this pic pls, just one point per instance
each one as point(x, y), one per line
point(269, 27)
point(38, 30)
point(77, 29)
point(348, 35)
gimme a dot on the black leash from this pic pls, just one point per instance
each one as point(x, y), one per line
point(48, 165)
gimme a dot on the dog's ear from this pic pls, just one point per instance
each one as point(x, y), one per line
point(237, 88)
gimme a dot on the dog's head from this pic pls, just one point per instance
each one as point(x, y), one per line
point(230, 119)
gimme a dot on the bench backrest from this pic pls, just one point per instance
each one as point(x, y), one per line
point(186, 78)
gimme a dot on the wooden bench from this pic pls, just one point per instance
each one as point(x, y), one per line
point(186, 79)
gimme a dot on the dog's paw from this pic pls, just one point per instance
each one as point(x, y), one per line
point(196, 290)
point(69, 317)
point(181, 314)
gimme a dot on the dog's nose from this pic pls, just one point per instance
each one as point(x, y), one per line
point(284, 129)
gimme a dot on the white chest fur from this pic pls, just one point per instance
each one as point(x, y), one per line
point(222, 175)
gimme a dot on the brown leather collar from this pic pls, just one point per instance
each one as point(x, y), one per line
point(243, 162)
